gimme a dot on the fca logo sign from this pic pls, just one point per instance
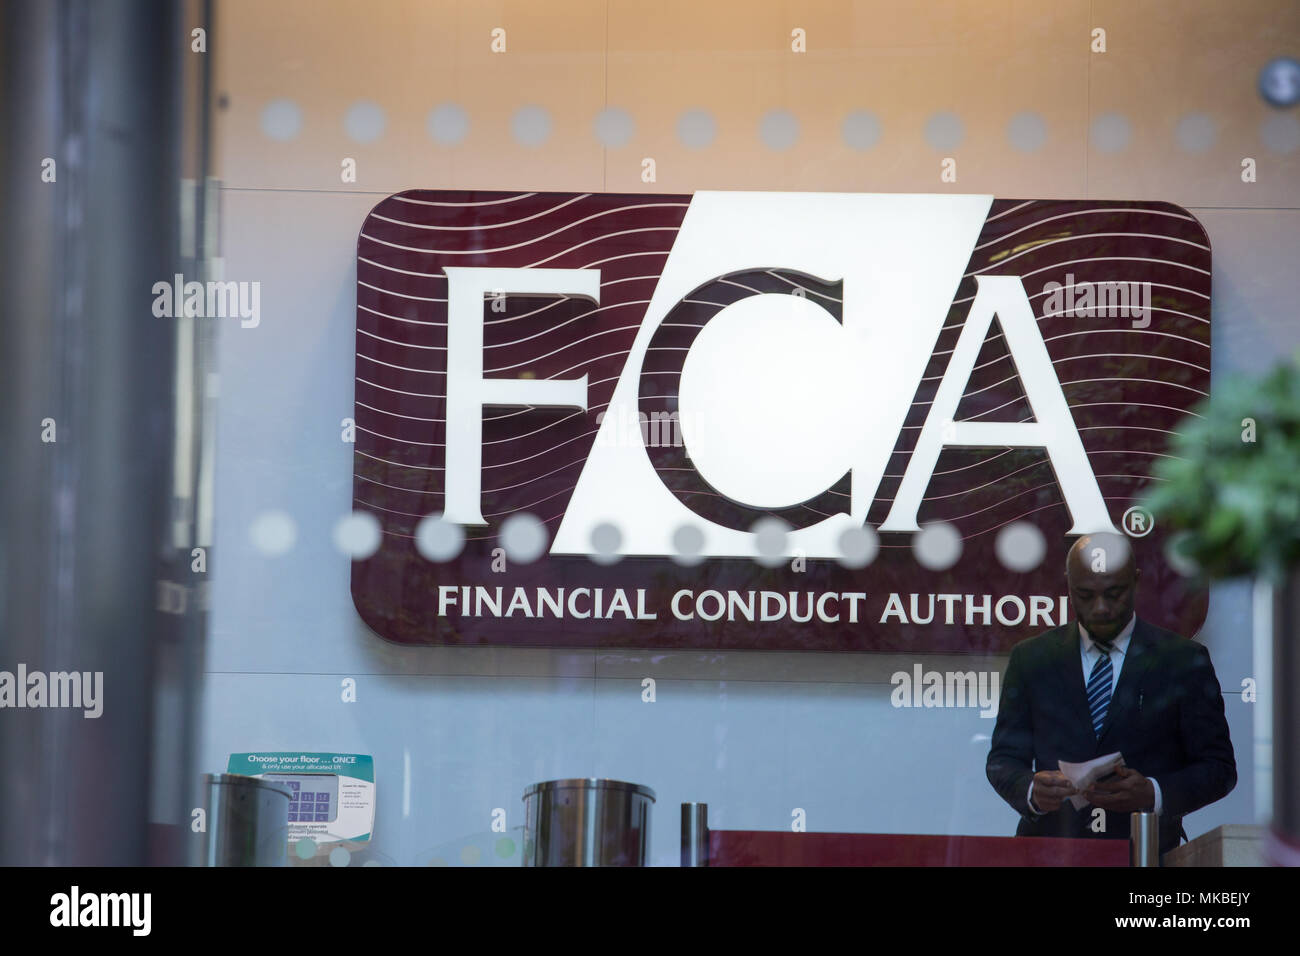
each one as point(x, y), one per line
point(639, 366)
point(852, 439)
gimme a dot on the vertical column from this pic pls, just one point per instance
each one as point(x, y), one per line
point(86, 404)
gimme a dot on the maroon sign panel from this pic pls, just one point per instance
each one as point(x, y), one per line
point(542, 355)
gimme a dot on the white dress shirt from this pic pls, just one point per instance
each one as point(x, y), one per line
point(1089, 654)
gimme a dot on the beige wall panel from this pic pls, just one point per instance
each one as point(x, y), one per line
point(985, 62)
point(408, 57)
point(1165, 61)
point(983, 65)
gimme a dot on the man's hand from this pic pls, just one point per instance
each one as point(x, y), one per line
point(1050, 788)
point(1125, 792)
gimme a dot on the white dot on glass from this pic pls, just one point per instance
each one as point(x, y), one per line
point(273, 532)
point(438, 540)
point(1195, 132)
point(860, 130)
point(688, 545)
point(281, 120)
point(1280, 133)
point(605, 541)
point(697, 129)
point(524, 537)
point(357, 535)
point(779, 129)
point(614, 127)
point(944, 131)
point(769, 538)
point(937, 546)
point(305, 848)
point(1178, 560)
point(1027, 132)
point(858, 547)
point(1111, 133)
point(339, 856)
point(448, 124)
point(1116, 549)
point(470, 855)
point(364, 122)
point(1020, 546)
point(531, 125)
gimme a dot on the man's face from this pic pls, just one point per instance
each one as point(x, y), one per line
point(1102, 578)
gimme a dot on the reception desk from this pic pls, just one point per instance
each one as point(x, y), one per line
point(1232, 844)
point(780, 848)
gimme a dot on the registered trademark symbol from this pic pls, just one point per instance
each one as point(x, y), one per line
point(1138, 522)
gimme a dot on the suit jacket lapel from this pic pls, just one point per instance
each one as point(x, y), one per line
point(1071, 675)
point(1123, 702)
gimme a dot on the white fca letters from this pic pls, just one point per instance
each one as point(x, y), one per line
point(1004, 296)
point(468, 392)
point(901, 259)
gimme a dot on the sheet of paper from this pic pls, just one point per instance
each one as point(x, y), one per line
point(1084, 775)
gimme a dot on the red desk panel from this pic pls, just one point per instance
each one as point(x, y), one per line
point(778, 848)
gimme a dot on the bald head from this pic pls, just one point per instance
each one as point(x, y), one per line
point(1101, 572)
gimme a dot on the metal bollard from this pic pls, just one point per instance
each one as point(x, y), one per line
point(587, 821)
point(695, 834)
point(1144, 839)
point(247, 821)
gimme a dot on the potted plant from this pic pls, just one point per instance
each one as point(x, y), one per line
point(1231, 495)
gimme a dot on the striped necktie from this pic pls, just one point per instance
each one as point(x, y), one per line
point(1099, 688)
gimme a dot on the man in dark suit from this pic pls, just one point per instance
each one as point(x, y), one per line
point(1103, 683)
